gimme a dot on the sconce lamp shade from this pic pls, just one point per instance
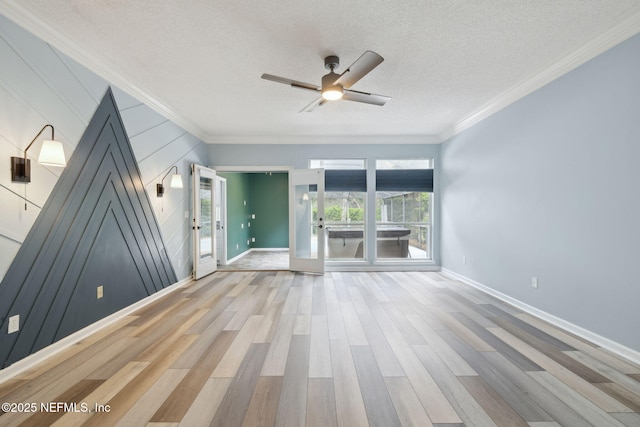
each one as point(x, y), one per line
point(176, 181)
point(52, 154)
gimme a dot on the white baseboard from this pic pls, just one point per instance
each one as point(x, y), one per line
point(596, 339)
point(55, 348)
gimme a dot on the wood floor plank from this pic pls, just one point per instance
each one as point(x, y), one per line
point(321, 405)
point(319, 306)
point(408, 407)
point(516, 397)
point(355, 332)
point(350, 409)
point(76, 393)
point(292, 404)
point(233, 407)
point(495, 406)
point(386, 359)
point(264, 403)
point(584, 387)
point(204, 341)
point(276, 360)
point(144, 408)
point(573, 399)
point(234, 356)
point(453, 360)
point(468, 409)
point(337, 330)
point(269, 323)
point(377, 402)
point(206, 404)
point(430, 351)
point(609, 372)
point(320, 350)
point(103, 394)
point(622, 395)
point(178, 402)
point(133, 390)
point(436, 404)
point(555, 407)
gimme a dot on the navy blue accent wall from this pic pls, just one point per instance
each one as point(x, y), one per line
point(97, 228)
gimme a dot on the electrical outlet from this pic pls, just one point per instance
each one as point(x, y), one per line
point(245, 202)
point(534, 282)
point(464, 259)
point(247, 243)
point(242, 225)
point(253, 216)
point(249, 224)
point(99, 292)
point(14, 324)
point(237, 246)
point(253, 239)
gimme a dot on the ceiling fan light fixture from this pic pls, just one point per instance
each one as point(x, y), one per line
point(331, 90)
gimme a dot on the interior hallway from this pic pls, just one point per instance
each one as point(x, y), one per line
point(346, 349)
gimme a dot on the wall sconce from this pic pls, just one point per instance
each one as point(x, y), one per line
point(176, 182)
point(51, 154)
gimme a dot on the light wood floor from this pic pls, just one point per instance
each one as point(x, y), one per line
point(343, 349)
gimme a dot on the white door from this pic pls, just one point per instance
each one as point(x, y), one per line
point(204, 230)
point(306, 220)
point(221, 220)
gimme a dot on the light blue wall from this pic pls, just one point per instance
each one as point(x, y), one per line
point(298, 155)
point(548, 187)
point(40, 85)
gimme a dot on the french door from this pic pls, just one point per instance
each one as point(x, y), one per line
point(204, 225)
point(306, 220)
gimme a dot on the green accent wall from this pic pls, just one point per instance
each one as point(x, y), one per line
point(267, 197)
point(238, 214)
point(270, 204)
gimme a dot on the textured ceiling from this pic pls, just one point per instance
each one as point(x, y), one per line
point(200, 61)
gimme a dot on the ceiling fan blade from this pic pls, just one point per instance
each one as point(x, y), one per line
point(367, 98)
point(363, 65)
point(314, 104)
point(292, 83)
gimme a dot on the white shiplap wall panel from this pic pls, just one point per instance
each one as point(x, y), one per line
point(124, 100)
point(55, 75)
point(147, 143)
point(154, 167)
point(140, 119)
point(40, 85)
point(21, 78)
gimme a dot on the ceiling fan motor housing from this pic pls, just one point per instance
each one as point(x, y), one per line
point(331, 62)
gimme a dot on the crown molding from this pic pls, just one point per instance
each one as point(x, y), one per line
point(21, 14)
point(626, 29)
point(326, 139)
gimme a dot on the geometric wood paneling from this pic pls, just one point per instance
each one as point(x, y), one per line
point(96, 228)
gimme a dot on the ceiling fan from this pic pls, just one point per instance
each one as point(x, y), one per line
point(336, 86)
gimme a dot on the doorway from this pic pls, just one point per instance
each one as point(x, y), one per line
point(257, 219)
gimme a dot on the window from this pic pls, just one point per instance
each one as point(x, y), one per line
point(404, 192)
point(344, 207)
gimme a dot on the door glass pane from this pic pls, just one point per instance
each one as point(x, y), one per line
point(344, 209)
point(206, 218)
point(403, 215)
point(306, 231)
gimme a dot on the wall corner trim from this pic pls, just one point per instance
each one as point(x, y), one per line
point(59, 346)
point(599, 340)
